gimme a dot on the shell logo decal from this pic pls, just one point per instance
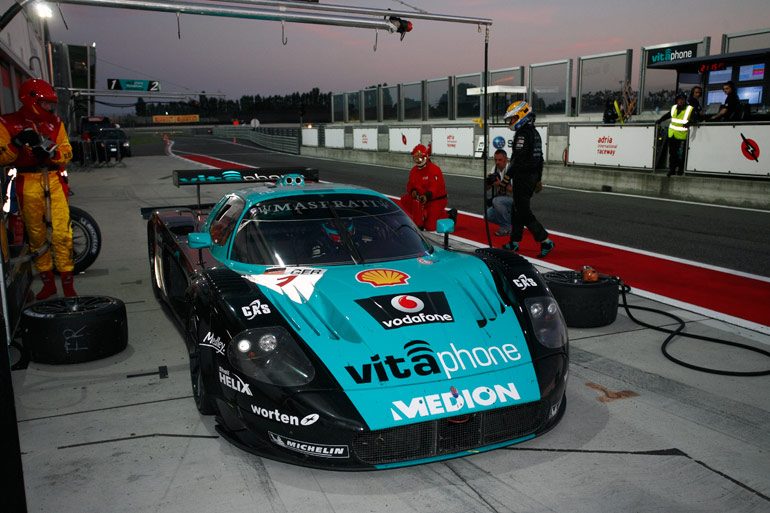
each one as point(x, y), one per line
point(382, 277)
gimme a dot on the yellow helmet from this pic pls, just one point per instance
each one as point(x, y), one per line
point(517, 114)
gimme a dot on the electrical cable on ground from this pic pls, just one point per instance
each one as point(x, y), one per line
point(678, 332)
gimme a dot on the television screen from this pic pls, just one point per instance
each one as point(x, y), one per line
point(752, 93)
point(751, 72)
point(721, 76)
point(715, 96)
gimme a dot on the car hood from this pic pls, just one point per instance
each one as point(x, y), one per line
point(411, 338)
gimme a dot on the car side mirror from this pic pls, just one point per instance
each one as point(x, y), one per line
point(199, 240)
point(445, 226)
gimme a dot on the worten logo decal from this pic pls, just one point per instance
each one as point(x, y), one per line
point(320, 450)
point(382, 277)
point(419, 359)
point(454, 401)
point(397, 311)
point(297, 283)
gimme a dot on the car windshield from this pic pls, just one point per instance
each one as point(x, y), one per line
point(326, 229)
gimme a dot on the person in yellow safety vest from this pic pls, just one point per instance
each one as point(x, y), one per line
point(34, 140)
point(677, 133)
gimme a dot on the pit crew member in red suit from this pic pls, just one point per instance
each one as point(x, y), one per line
point(34, 140)
point(425, 200)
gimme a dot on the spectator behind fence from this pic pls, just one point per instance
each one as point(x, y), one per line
point(499, 211)
point(730, 109)
point(696, 93)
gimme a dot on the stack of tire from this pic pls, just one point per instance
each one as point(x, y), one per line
point(74, 329)
point(584, 304)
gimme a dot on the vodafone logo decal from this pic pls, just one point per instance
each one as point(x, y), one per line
point(406, 303)
point(401, 310)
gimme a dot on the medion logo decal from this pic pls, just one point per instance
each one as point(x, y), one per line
point(400, 310)
point(454, 401)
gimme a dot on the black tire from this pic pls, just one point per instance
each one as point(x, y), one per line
point(86, 239)
point(204, 401)
point(584, 304)
point(151, 253)
point(74, 329)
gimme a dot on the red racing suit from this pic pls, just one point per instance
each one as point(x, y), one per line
point(30, 189)
point(425, 200)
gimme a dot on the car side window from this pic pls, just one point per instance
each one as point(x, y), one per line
point(225, 220)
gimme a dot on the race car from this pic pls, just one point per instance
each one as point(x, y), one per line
point(325, 329)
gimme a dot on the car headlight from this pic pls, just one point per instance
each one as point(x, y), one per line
point(547, 321)
point(270, 355)
point(126, 144)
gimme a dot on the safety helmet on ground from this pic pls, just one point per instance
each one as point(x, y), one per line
point(518, 114)
point(34, 90)
point(420, 155)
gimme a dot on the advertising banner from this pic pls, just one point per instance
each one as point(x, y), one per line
point(309, 137)
point(365, 139)
point(335, 137)
point(456, 141)
point(612, 145)
point(187, 118)
point(734, 149)
point(403, 139)
point(502, 139)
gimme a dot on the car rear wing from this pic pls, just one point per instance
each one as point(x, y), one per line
point(253, 175)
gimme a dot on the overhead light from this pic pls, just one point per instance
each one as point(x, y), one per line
point(43, 10)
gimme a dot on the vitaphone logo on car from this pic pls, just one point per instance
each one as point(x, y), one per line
point(424, 361)
point(226, 176)
point(397, 311)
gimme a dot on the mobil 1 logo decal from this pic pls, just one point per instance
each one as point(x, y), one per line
point(398, 310)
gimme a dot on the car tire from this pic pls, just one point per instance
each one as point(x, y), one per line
point(74, 329)
point(86, 239)
point(584, 304)
point(199, 364)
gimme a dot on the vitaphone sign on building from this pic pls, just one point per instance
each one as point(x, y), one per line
point(672, 53)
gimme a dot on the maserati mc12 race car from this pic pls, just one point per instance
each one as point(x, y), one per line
point(324, 329)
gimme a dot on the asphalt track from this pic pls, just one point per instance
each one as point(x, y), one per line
point(122, 434)
point(709, 259)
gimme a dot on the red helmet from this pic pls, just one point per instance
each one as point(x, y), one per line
point(421, 149)
point(34, 90)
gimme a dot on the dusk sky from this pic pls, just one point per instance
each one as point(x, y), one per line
point(245, 57)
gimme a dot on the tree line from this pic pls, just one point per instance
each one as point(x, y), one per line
point(289, 108)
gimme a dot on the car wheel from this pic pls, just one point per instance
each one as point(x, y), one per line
point(86, 239)
point(74, 329)
point(198, 366)
point(151, 252)
point(584, 304)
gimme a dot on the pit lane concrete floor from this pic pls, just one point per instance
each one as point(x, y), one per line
point(640, 433)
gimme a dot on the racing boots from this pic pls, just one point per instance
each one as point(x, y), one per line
point(67, 285)
point(545, 247)
point(49, 285)
point(511, 246)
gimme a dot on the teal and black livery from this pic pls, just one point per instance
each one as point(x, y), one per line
point(324, 328)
